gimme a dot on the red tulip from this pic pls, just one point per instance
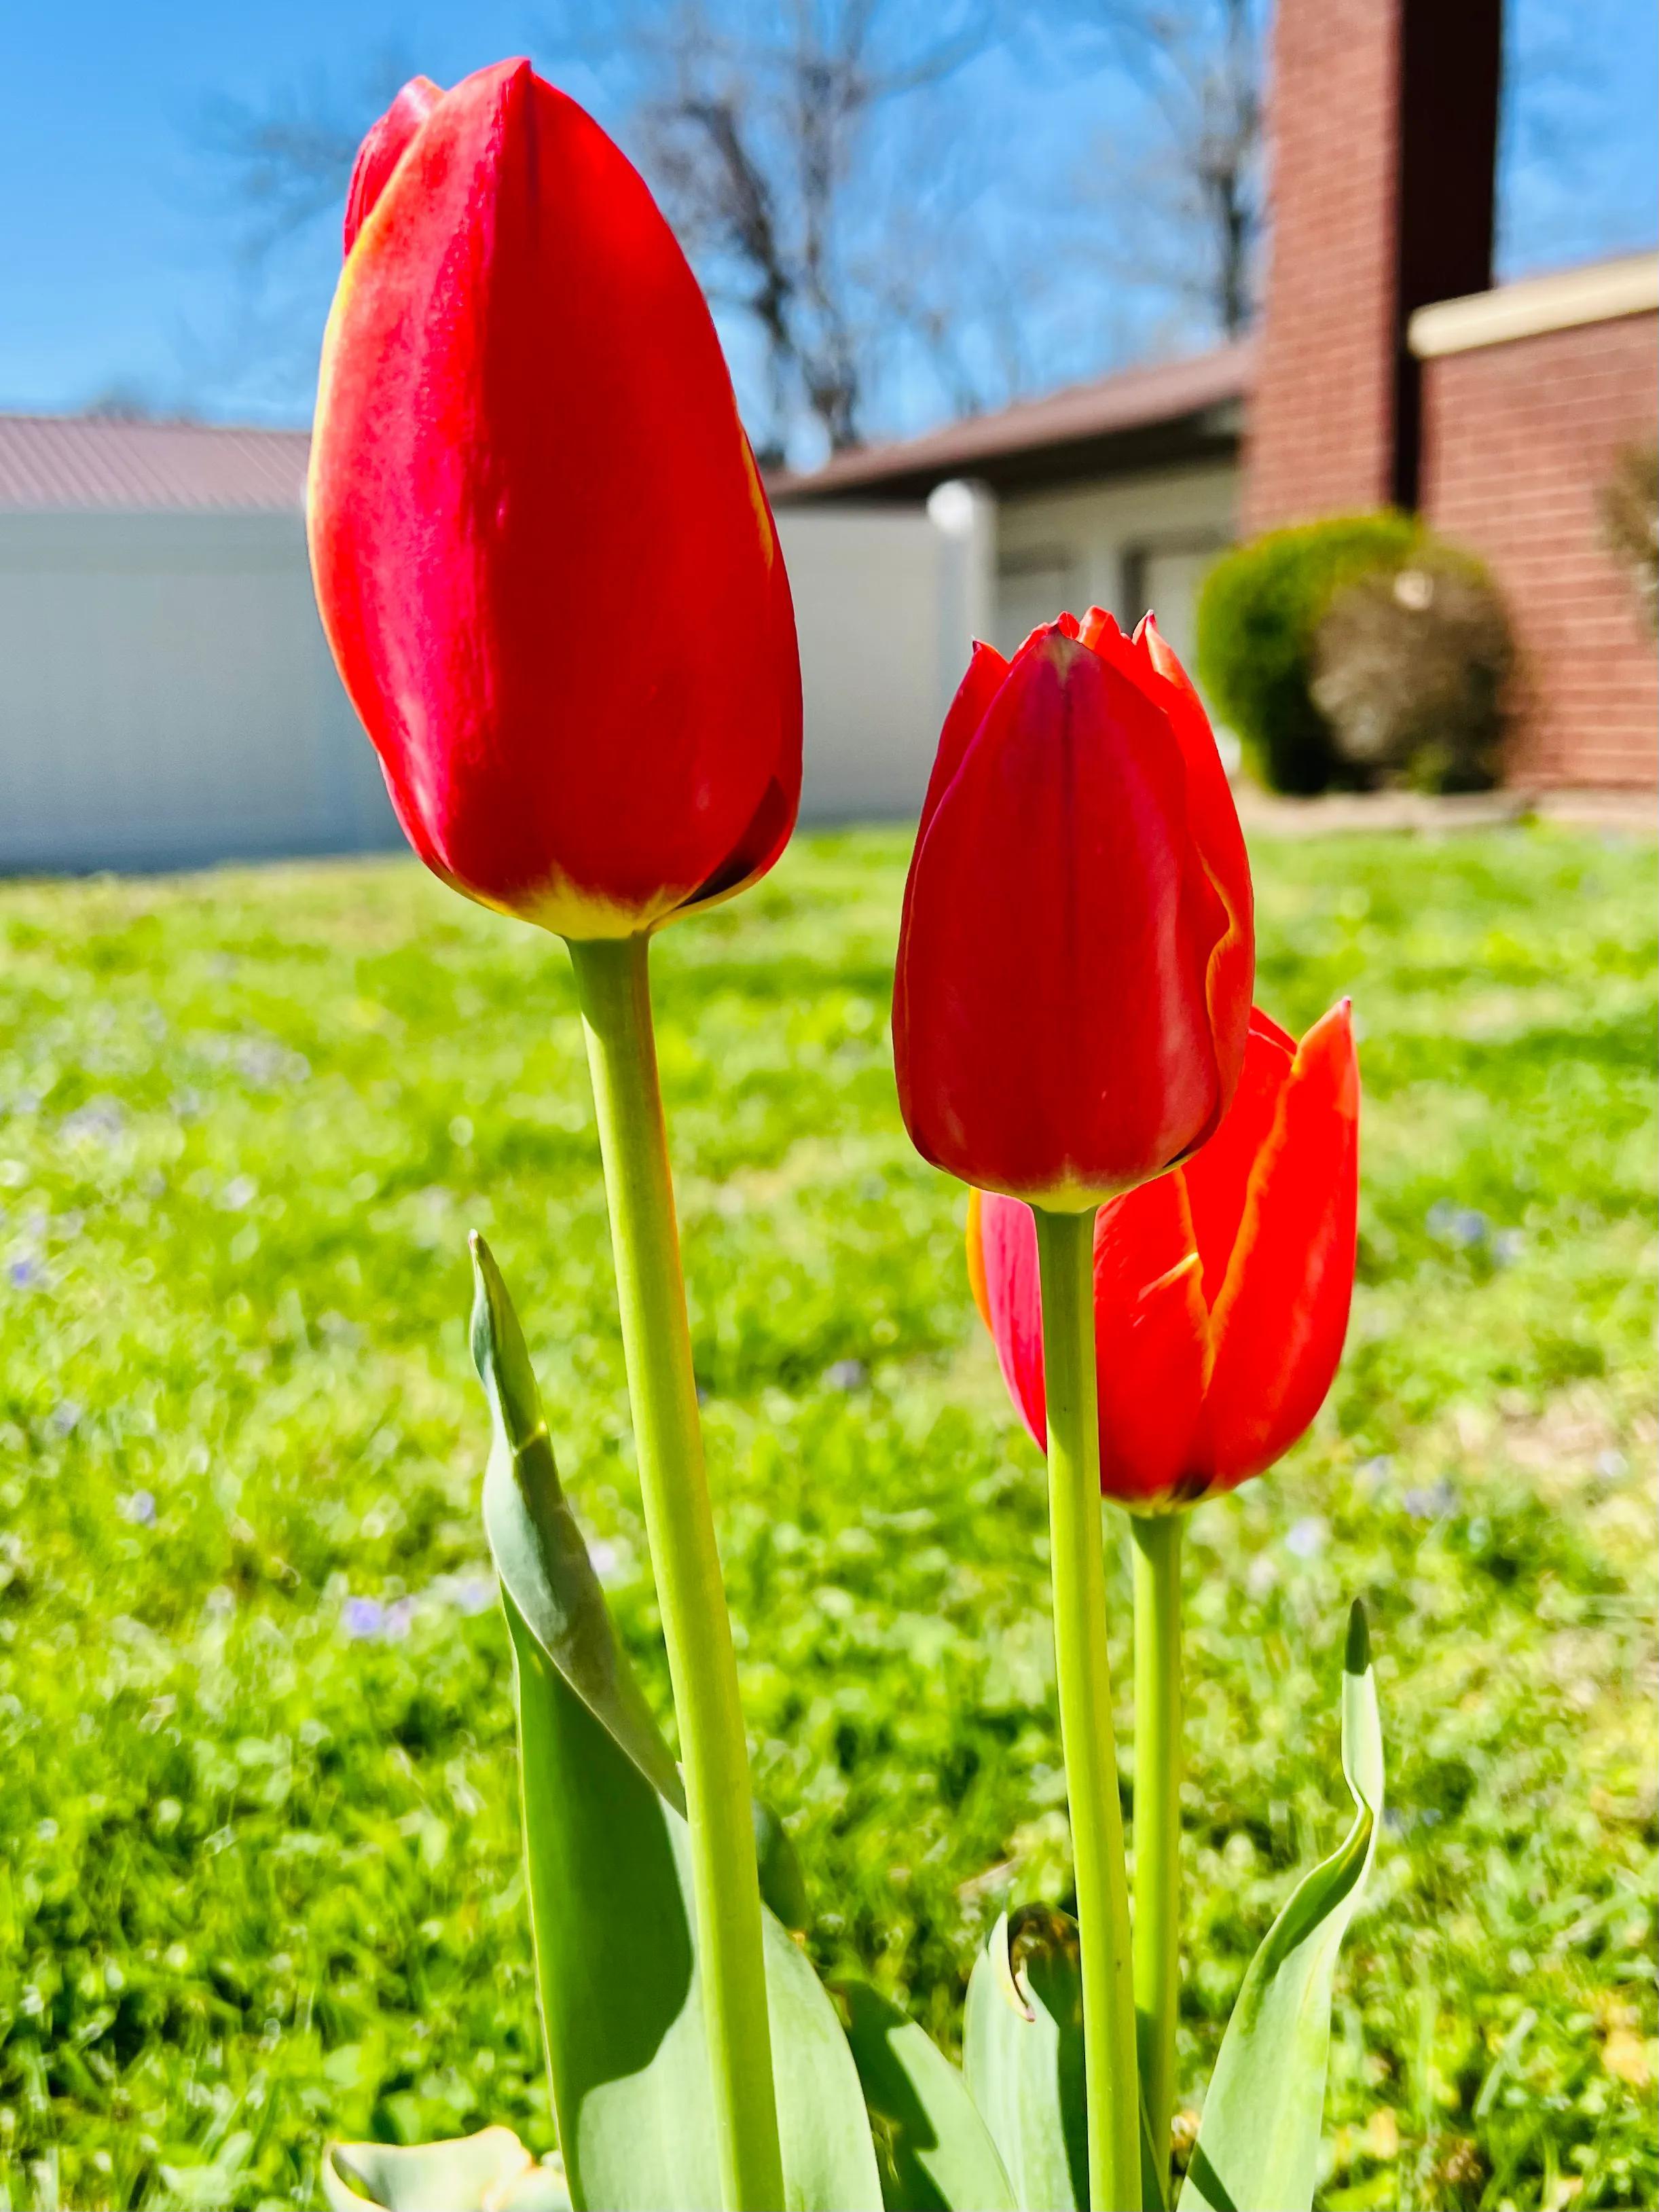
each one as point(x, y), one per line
point(544, 560)
point(1077, 952)
point(384, 148)
point(1221, 1290)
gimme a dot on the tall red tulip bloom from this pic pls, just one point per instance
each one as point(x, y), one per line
point(544, 557)
point(1077, 952)
point(1221, 1291)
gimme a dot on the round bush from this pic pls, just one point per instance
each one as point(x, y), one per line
point(1409, 673)
point(1258, 623)
point(1629, 522)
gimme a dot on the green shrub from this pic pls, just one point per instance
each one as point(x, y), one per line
point(1258, 619)
point(1410, 670)
point(1629, 522)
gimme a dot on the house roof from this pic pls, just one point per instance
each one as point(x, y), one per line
point(55, 462)
point(1174, 411)
point(1558, 300)
point(1168, 411)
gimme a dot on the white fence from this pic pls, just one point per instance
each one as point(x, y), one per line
point(886, 602)
point(166, 698)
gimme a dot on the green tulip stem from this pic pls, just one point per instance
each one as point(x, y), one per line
point(1158, 1816)
point(613, 982)
point(1066, 1260)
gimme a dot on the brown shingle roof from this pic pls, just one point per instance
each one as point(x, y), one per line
point(59, 461)
point(68, 461)
point(1085, 415)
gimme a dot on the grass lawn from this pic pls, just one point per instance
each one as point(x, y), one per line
point(258, 1865)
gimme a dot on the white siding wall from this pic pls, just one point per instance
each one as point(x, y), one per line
point(1152, 536)
point(887, 600)
point(167, 698)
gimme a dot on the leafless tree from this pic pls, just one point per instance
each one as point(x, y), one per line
point(1195, 175)
point(789, 146)
point(278, 170)
point(286, 162)
point(769, 134)
point(874, 249)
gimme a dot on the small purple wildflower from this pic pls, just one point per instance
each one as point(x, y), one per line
point(469, 1594)
point(139, 1508)
point(1306, 1540)
point(99, 1118)
point(1457, 1224)
point(1432, 1504)
point(606, 1557)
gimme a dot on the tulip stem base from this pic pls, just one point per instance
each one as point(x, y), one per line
point(1065, 1261)
point(1157, 1817)
point(613, 982)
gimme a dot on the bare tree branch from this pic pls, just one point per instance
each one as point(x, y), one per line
point(1201, 64)
point(757, 125)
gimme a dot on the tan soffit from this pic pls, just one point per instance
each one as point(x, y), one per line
point(1522, 310)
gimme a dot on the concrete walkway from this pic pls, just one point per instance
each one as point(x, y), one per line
point(1264, 814)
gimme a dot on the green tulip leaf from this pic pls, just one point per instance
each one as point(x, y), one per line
point(1258, 2143)
point(1023, 2056)
point(489, 2173)
point(537, 1547)
point(608, 1853)
point(939, 2155)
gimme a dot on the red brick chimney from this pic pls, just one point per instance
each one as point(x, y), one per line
point(1383, 130)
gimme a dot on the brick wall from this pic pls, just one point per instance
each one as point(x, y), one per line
point(1518, 439)
point(1382, 122)
point(1320, 437)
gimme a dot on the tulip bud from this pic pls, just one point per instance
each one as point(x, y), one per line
point(384, 148)
point(1221, 1290)
point(542, 555)
point(1077, 952)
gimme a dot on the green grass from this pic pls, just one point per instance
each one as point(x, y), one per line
point(258, 1865)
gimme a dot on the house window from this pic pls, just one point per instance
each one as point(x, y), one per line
point(1032, 587)
point(1166, 574)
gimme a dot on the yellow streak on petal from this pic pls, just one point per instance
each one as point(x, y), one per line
point(1171, 1275)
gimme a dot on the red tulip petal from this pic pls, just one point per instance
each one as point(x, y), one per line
point(1098, 630)
point(384, 148)
point(986, 670)
point(1215, 827)
point(773, 823)
point(1152, 1344)
point(976, 1258)
point(1280, 1320)
point(1051, 1033)
point(1219, 1173)
point(1013, 1300)
point(1151, 1332)
point(1148, 662)
point(543, 556)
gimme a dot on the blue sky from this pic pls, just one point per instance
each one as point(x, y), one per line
point(117, 268)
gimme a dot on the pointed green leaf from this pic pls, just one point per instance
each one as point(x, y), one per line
point(1023, 2055)
point(941, 2157)
point(539, 1549)
point(608, 1853)
point(1258, 2144)
point(782, 1882)
point(489, 2173)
